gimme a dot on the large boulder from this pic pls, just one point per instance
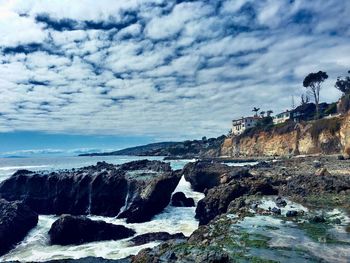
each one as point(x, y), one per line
point(68, 230)
point(138, 190)
point(217, 201)
point(150, 197)
point(155, 236)
point(179, 199)
point(16, 219)
point(205, 175)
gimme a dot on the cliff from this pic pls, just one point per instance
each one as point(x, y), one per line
point(325, 136)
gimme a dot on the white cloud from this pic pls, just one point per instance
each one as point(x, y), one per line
point(17, 30)
point(188, 65)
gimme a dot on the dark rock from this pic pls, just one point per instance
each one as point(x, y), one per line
point(205, 175)
point(280, 202)
point(262, 187)
point(167, 253)
point(217, 201)
point(69, 230)
point(104, 189)
point(291, 213)
point(276, 211)
point(306, 184)
point(317, 219)
point(156, 166)
point(151, 197)
point(236, 204)
point(16, 219)
point(317, 164)
point(341, 157)
point(337, 221)
point(157, 236)
point(179, 199)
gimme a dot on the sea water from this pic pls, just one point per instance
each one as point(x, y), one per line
point(35, 247)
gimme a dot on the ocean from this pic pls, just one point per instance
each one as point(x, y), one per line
point(35, 247)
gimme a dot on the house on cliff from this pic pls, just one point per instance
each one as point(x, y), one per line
point(304, 112)
point(282, 117)
point(240, 125)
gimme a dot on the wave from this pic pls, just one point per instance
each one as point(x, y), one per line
point(9, 168)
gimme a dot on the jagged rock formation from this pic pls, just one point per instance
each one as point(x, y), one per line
point(221, 237)
point(16, 219)
point(205, 175)
point(157, 236)
point(136, 190)
point(325, 136)
point(68, 230)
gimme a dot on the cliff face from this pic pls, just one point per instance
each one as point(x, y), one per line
point(326, 136)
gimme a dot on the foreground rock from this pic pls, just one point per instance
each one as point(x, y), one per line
point(16, 219)
point(157, 236)
point(217, 201)
point(137, 190)
point(69, 230)
point(179, 199)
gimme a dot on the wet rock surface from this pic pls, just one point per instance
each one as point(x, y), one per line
point(76, 230)
point(179, 199)
point(156, 236)
point(16, 220)
point(232, 202)
point(137, 190)
point(217, 200)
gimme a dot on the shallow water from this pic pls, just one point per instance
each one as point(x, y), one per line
point(35, 247)
point(291, 240)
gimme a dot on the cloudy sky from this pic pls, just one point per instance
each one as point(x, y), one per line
point(161, 69)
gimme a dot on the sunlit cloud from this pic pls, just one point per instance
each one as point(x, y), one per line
point(170, 69)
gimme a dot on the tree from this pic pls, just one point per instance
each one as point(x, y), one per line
point(304, 99)
point(269, 112)
point(343, 84)
point(262, 113)
point(313, 83)
point(256, 110)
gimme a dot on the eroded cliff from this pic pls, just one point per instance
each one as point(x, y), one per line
point(326, 136)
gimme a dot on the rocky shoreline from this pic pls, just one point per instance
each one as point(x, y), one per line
point(300, 194)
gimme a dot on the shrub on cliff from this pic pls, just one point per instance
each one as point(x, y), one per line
point(343, 84)
point(319, 126)
point(280, 128)
point(344, 104)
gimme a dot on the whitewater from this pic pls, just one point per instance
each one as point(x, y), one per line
point(35, 247)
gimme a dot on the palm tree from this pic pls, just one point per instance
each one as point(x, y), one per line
point(262, 113)
point(256, 110)
point(269, 112)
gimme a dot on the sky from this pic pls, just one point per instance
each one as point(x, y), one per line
point(152, 70)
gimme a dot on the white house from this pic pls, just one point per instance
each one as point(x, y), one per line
point(240, 125)
point(282, 117)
